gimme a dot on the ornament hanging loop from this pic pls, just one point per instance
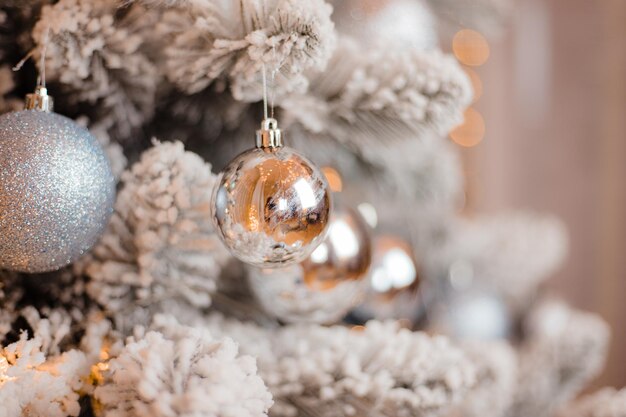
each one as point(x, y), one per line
point(39, 100)
point(269, 137)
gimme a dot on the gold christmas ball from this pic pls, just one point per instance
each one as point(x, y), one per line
point(325, 286)
point(393, 282)
point(271, 205)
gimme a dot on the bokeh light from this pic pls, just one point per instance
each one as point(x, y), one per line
point(470, 47)
point(334, 179)
point(471, 131)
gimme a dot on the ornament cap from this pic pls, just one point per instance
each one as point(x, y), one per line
point(269, 137)
point(39, 100)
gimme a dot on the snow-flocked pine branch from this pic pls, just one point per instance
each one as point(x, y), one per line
point(97, 57)
point(607, 402)
point(374, 97)
point(179, 371)
point(232, 42)
point(380, 368)
point(160, 244)
point(562, 351)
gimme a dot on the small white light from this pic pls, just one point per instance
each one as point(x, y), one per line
point(344, 241)
point(369, 214)
point(305, 193)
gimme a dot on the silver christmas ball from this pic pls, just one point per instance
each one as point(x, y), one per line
point(271, 207)
point(56, 191)
point(324, 287)
point(393, 282)
point(473, 314)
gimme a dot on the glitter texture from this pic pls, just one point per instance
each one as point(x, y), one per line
point(56, 191)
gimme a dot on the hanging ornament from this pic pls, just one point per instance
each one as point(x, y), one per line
point(325, 286)
point(271, 205)
point(393, 283)
point(473, 314)
point(56, 187)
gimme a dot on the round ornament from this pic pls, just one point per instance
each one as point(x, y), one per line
point(474, 314)
point(324, 287)
point(271, 205)
point(393, 282)
point(56, 188)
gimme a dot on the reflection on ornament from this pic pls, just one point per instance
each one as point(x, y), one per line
point(56, 188)
point(393, 288)
point(369, 213)
point(327, 284)
point(271, 205)
point(391, 22)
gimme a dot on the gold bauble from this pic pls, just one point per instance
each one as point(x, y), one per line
point(271, 205)
point(325, 286)
point(393, 282)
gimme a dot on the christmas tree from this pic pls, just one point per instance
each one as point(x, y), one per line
point(405, 307)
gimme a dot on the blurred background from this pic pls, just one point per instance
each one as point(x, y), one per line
point(548, 132)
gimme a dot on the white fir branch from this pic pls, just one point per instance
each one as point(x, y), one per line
point(496, 374)
point(236, 40)
point(607, 402)
point(510, 253)
point(381, 367)
point(160, 244)
point(377, 96)
point(179, 371)
point(563, 350)
point(32, 385)
point(98, 59)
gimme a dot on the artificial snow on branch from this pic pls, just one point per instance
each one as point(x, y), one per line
point(510, 254)
point(33, 386)
point(379, 368)
point(607, 402)
point(179, 371)
point(160, 244)
point(234, 41)
point(375, 97)
point(496, 374)
point(97, 57)
point(563, 350)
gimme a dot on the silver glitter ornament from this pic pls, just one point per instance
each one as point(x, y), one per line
point(324, 287)
point(271, 205)
point(56, 188)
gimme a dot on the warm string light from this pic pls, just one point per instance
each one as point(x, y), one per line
point(472, 50)
point(470, 47)
point(471, 132)
point(334, 179)
point(4, 369)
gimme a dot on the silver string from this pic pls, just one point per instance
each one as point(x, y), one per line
point(42, 62)
point(273, 82)
point(264, 92)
